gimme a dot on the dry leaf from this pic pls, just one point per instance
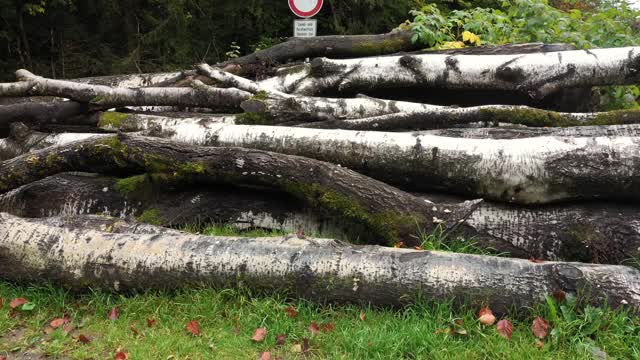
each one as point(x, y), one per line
point(151, 322)
point(114, 314)
point(83, 339)
point(193, 327)
point(259, 335)
point(296, 348)
point(56, 323)
point(291, 312)
point(539, 344)
point(559, 295)
point(120, 355)
point(48, 330)
point(314, 328)
point(536, 261)
point(486, 317)
point(540, 327)
point(17, 302)
point(328, 327)
point(265, 355)
point(281, 339)
point(362, 316)
point(505, 328)
point(1, 304)
point(305, 345)
point(134, 330)
point(399, 245)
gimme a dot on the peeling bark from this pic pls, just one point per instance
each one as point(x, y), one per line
point(316, 269)
point(383, 209)
point(506, 131)
point(538, 74)
point(105, 96)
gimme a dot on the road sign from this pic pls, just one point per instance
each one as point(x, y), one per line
point(305, 8)
point(305, 28)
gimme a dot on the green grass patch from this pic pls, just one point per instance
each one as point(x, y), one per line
point(228, 319)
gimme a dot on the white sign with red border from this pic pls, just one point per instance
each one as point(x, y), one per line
point(305, 28)
point(305, 8)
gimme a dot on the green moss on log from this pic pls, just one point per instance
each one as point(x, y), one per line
point(112, 119)
point(151, 216)
point(544, 118)
point(131, 184)
point(387, 46)
point(254, 118)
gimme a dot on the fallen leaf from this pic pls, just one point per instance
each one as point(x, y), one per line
point(446, 330)
point(83, 339)
point(193, 327)
point(328, 327)
point(399, 245)
point(67, 328)
point(505, 328)
point(362, 315)
point(134, 330)
point(459, 322)
point(559, 295)
point(418, 248)
point(291, 311)
point(486, 317)
point(151, 322)
point(305, 345)
point(48, 330)
point(56, 323)
point(259, 335)
point(300, 234)
point(539, 344)
point(114, 314)
point(540, 327)
point(314, 328)
point(120, 355)
point(17, 302)
point(281, 339)
point(296, 348)
point(1, 305)
point(265, 355)
point(536, 261)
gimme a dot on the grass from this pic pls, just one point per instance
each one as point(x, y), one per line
point(228, 319)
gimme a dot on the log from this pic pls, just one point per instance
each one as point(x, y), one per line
point(537, 75)
point(591, 232)
point(384, 210)
point(44, 112)
point(443, 117)
point(507, 131)
point(108, 97)
point(324, 270)
point(538, 170)
point(334, 46)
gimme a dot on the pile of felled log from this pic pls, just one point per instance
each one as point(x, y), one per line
point(498, 145)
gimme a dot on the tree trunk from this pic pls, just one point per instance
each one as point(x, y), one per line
point(106, 97)
point(507, 131)
point(43, 112)
point(83, 253)
point(384, 210)
point(334, 46)
point(537, 75)
point(591, 232)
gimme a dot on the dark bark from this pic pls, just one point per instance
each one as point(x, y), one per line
point(333, 46)
point(82, 254)
point(45, 112)
point(506, 131)
point(383, 209)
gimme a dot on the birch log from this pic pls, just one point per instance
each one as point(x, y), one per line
point(317, 269)
point(507, 131)
point(106, 96)
point(386, 211)
point(591, 232)
point(526, 171)
point(538, 74)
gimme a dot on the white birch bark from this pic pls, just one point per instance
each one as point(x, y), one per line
point(537, 74)
point(317, 269)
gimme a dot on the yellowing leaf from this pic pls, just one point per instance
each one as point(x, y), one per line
point(471, 38)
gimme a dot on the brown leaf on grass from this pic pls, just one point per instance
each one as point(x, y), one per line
point(363, 316)
point(83, 339)
point(1, 304)
point(134, 330)
point(259, 335)
point(121, 355)
point(193, 327)
point(505, 328)
point(291, 312)
point(314, 328)
point(265, 355)
point(67, 328)
point(328, 327)
point(540, 327)
point(539, 344)
point(114, 314)
point(151, 322)
point(446, 330)
point(305, 345)
point(17, 302)
point(559, 295)
point(536, 261)
point(486, 317)
point(56, 323)
point(281, 339)
point(48, 330)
